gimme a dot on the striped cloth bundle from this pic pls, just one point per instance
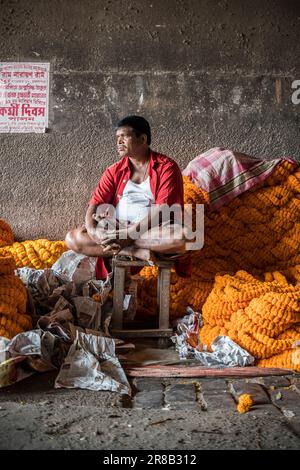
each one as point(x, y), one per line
point(224, 174)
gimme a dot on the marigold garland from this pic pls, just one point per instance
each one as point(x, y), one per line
point(13, 301)
point(261, 316)
point(245, 402)
point(251, 248)
point(249, 233)
point(6, 234)
point(38, 254)
point(7, 265)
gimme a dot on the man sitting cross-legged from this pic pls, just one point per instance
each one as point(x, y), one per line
point(138, 187)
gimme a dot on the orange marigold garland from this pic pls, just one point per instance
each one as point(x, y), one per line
point(263, 317)
point(13, 294)
point(6, 234)
point(256, 236)
point(13, 301)
point(7, 265)
point(245, 402)
point(258, 232)
point(37, 254)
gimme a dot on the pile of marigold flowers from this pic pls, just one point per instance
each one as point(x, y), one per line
point(38, 254)
point(263, 317)
point(13, 301)
point(6, 233)
point(247, 275)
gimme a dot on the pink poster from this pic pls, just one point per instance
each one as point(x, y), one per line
point(24, 97)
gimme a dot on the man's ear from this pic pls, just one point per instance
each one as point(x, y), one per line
point(144, 138)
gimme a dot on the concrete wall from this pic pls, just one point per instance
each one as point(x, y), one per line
point(204, 72)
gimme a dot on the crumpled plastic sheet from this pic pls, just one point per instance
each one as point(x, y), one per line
point(188, 334)
point(69, 284)
point(47, 346)
point(88, 312)
point(92, 364)
point(225, 352)
point(58, 323)
point(190, 323)
point(75, 267)
point(4, 354)
point(36, 350)
point(41, 281)
point(26, 344)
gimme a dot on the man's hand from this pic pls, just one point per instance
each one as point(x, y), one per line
point(99, 217)
point(119, 239)
point(92, 233)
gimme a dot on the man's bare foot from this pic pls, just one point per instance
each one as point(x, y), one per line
point(140, 253)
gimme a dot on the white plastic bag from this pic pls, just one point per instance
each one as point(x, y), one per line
point(92, 364)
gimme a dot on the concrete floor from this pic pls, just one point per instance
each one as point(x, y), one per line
point(33, 415)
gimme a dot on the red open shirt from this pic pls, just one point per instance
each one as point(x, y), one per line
point(166, 185)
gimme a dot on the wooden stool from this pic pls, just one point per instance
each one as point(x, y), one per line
point(163, 300)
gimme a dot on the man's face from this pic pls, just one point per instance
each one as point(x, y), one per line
point(127, 142)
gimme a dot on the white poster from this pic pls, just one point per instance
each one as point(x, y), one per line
point(24, 96)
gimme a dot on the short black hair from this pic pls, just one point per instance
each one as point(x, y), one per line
point(138, 124)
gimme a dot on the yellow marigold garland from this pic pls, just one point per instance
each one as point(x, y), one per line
point(256, 236)
point(13, 301)
point(251, 233)
point(7, 265)
point(245, 402)
point(261, 316)
point(289, 358)
point(6, 234)
point(38, 254)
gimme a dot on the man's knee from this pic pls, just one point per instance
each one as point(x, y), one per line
point(72, 241)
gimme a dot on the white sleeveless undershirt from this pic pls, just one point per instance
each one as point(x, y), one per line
point(135, 202)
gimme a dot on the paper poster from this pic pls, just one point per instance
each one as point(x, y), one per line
point(24, 97)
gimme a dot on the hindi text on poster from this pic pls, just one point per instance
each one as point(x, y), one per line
point(24, 96)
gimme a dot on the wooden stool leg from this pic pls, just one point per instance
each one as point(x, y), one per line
point(119, 281)
point(163, 291)
point(97, 322)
